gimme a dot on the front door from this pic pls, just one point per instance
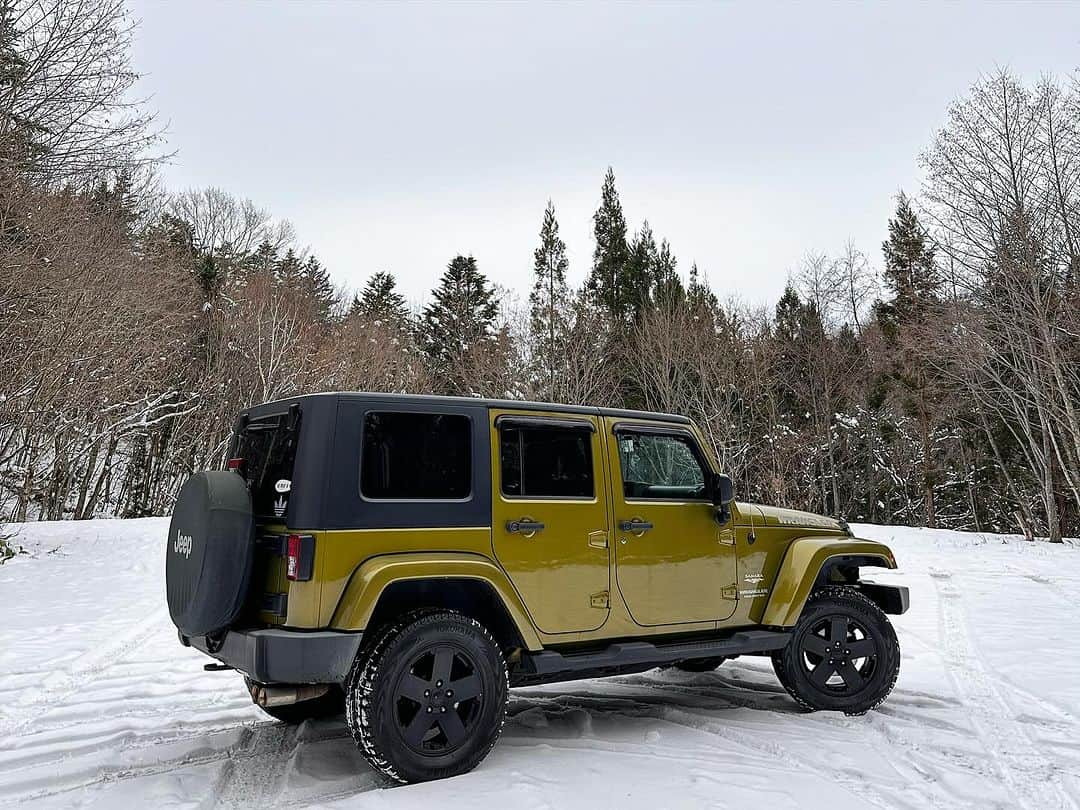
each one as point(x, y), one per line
point(550, 527)
point(674, 562)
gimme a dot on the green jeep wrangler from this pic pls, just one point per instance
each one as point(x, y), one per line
point(408, 559)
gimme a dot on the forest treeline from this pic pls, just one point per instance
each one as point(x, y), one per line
point(934, 380)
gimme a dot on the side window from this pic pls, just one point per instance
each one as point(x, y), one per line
point(545, 462)
point(660, 466)
point(415, 456)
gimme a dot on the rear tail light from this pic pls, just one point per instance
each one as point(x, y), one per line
point(235, 464)
point(299, 557)
point(292, 557)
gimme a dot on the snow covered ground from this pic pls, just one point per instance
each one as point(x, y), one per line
point(101, 707)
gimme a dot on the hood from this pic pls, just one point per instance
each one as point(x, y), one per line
point(775, 516)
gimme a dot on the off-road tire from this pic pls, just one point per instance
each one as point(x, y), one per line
point(332, 704)
point(373, 700)
point(879, 671)
point(699, 664)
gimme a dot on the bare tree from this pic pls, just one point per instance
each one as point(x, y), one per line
point(1004, 186)
point(220, 221)
point(67, 113)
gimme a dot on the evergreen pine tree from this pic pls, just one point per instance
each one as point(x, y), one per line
point(18, 146)
point(699, 296)
point(380, 301)
point(264, 259)
point(456, 324)
point(288, 271)
point(910, 270)
point(640, 270)
point(117, 201)
point(549, 304)
point(788, 310)
point(911, 276)
point(605, 283)
point(316, 284)
point(667, 286)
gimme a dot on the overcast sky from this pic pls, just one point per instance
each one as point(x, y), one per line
point(397, 136)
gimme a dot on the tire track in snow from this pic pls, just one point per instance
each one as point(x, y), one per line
point(879, 723)
point(258, 767)
point(885, 731)
point(703, 719)
point(1032, 780)
point(235, 758)
point(61, 684)
point(252, 775)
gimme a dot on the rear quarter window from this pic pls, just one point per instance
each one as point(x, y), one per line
point(415, 456)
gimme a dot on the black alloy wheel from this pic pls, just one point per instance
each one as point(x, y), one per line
point(427, 699)
point(438, 699)
point(838, 654)
point(843, 654)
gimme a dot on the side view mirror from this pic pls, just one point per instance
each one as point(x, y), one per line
point(723, 491)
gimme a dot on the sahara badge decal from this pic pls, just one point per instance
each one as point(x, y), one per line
point(753, 579)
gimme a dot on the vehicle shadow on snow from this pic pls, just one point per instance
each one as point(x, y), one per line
point(324, 753)
point(583, 707)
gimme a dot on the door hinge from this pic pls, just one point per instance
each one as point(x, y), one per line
point(598, 539)
point(730, 593)
point(599, 600)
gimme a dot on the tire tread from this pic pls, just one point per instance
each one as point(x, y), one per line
point(842, 594)
point(360, 686)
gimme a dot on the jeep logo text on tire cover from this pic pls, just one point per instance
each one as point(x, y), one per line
point(182, 545)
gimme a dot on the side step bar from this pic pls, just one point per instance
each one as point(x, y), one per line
point(637, 656)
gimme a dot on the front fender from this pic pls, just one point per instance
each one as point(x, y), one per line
point(372, 577)
point(802, 564)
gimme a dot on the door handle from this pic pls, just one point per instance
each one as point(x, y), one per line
point(524, 527)
point(636, 526)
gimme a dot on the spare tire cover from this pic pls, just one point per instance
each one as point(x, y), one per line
point(208, 559)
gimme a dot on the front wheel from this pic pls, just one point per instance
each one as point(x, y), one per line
point(428, 699)
point(843, 655)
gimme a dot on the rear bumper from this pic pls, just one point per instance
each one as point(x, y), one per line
point(273, 655)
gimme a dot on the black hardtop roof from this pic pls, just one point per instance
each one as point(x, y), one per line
point(488, 403)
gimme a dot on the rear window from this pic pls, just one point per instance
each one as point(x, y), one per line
point(546, 462)
point(415, 456)
point(268, 449)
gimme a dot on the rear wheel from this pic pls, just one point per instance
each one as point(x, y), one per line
point(428, 699)
point(843, 655)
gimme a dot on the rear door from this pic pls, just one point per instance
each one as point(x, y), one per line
point(264, 452)
point(550, 524)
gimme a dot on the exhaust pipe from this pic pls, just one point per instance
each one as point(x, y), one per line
point(268, 696)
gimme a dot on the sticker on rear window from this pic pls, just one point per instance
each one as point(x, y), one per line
point(284, 485)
